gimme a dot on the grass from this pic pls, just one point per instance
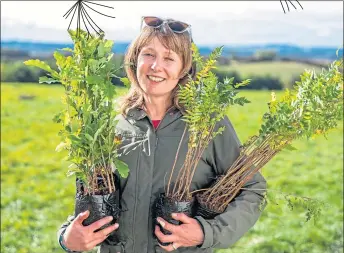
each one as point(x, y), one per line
point(285, 71)
point(36, 195)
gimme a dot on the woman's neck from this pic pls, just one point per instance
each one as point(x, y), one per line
point(156, 107)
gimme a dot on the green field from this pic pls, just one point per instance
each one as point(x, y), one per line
point(285, 71)
point(36, 196)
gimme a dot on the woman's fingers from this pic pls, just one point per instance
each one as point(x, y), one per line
point(98, 224)
point(164, 238)
point(81, 217)
point(100, 236)
point(106, 231)
point(168, 226)
point(171, 247)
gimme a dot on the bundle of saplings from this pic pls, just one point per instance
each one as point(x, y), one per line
point(88, 122)
point(206, 101)
point(313, 107)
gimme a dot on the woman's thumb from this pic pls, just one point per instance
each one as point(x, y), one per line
point(82, 216)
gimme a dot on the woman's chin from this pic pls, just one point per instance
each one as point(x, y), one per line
point(155, 93)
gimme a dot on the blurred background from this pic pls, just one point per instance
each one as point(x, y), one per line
point(270, 42)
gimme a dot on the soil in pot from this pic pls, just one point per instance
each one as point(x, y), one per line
point(164, 207)
point(203, 210)
point(202, 207)
point(100, 205)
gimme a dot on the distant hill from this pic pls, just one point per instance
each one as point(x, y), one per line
point(283, 50)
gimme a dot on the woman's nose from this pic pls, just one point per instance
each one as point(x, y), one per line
point(156, 66)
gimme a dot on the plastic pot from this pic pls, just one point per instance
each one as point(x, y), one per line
point(164, 207)
point(99, 205)
point(203, 211)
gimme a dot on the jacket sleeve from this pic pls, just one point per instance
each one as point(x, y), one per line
point(63, 227)
point(244, 210)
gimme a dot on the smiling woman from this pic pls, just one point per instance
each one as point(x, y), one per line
point(158, 69)
point(157, 62)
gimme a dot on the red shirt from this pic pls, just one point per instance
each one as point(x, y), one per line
point(155, 123)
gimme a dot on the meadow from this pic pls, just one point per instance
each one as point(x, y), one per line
point(37, 196)
point(285, 71)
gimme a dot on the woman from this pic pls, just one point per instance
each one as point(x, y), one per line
point(151, 127)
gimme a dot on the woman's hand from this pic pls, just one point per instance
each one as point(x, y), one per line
point(82, 238)
point(188, 234)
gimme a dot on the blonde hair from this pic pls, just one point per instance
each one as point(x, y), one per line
point(179, 43)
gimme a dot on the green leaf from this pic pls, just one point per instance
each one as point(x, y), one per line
point(42, 65)
point(243, 83)
point(122, 168)
point(73, 171)
point(98, 132)
point(125, 82)
point(94, 79)
point(67, 49)
point(289, 147)
point(58, 117)
point(45, 79)
point(74, 138)
point(60, 59)
point(89, 137)
point(101, 50)
point(61, 146)
point(109, 90)
point(109, 44)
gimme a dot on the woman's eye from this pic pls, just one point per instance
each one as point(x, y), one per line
point(148, 54)
point(169, 59)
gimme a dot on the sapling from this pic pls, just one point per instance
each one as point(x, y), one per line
point(313, 107)
point(206, 101)
point(88, 120)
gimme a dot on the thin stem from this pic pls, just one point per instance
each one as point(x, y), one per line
point(175, 161)
point(113, 181)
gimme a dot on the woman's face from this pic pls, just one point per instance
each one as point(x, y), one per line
point(158, 69)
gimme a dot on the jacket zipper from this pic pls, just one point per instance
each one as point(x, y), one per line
point(135, 204)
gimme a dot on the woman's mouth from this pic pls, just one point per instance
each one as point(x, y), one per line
point(156, 79)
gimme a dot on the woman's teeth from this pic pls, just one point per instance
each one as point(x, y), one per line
point(156, 79)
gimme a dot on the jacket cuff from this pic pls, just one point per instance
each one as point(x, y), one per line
point(62, 245)
point(208, 233)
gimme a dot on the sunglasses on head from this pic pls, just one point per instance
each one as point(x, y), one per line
point(174, 25)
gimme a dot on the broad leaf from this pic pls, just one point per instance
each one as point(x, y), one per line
point(42, 65)
point(45, 79)
point(94, 79)
point(125, 81)
point(122, 168)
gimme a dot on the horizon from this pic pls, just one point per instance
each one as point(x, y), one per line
point(201, 45)
point(319, 24)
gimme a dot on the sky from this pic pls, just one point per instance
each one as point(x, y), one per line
point(319, 23)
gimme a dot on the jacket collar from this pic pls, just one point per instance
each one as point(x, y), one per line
point(136, 114)
point(139, 113)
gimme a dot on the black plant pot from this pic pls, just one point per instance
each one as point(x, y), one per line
point(99, 206)
point(164, 207)
point(203, 211)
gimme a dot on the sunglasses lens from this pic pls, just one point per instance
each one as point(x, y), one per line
point(178, 26)
point(153, 21)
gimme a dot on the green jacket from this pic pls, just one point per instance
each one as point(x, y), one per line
point(150, 155)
